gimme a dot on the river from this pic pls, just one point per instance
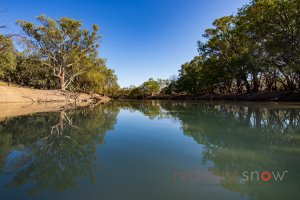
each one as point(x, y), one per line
point(153, 150)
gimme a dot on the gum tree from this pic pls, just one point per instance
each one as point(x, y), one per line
point(64, 46)
point(7, 55)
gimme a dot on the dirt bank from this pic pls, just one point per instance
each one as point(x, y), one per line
point(24, 95)
point(17, 101)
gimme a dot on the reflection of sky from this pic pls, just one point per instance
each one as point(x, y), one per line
point(8, 172)
point(14, 157)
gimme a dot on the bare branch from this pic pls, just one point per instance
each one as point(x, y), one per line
point(72, 78)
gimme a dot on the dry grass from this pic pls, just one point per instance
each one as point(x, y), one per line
point(8, 85)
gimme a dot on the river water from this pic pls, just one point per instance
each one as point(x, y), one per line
point(156, 150)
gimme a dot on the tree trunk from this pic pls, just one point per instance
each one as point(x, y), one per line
point(238, 84)
point(248, 88)
point(290, 83)
point(62, 80)
point(255, 82)
point(269, 86)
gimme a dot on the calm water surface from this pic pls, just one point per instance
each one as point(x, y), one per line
point(153, 150)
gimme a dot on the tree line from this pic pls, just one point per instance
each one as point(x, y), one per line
point(256, 49)
point(56, 54)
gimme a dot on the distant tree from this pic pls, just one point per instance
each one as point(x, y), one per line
point(123, 92)
point(135, 92)
point(111, 87)
point(190, 76)
point(150, 87)
point(162, 83)
point(172, 86)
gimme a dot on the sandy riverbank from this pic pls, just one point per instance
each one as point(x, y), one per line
point(10, 94)
point(16, 101)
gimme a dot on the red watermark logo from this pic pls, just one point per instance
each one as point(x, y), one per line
point(208, 175)
point(264, 176)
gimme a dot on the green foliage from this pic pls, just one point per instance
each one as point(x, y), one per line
point(7, 56)
point(57, 54)
point(65, 47)
point(150, 87)
point(248, 53)
point(111, 86)
point(171, 86)
point(135, 92)
point(256, 49)
point(30, 72)
point(190, 76)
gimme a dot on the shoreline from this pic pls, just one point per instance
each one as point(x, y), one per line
point(10, 110)
point(264, 96)
point(11, 94)
point(19, 101)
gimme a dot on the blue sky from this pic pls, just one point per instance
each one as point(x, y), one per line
point(142, 39)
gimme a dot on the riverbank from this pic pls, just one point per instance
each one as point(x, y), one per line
point(17, 101)
point(13, 94)
point(272, 96)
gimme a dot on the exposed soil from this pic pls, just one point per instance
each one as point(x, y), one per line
point(16, 101)
point(17, 95)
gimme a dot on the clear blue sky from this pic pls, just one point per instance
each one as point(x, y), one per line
point(141, 38)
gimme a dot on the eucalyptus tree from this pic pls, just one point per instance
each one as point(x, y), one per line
point(150, 87)
point(256, 49)
point(278, 30)
point(232, 50)
point(171, 86)
point(7, 55)
point(63, 45)
point(190, 76)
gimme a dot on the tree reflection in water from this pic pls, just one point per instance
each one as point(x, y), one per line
point(240, 137)
point(51, 150)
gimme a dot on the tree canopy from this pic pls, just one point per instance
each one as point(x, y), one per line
point(56, 54)
point(7, 57)
point(63, 46)
point(256, 49)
